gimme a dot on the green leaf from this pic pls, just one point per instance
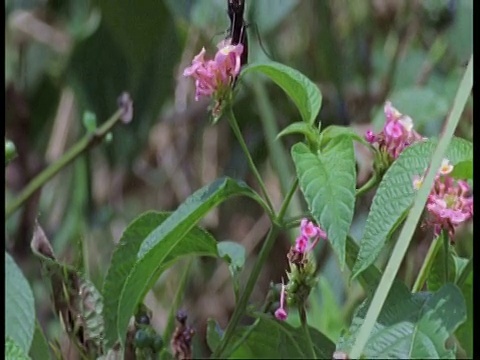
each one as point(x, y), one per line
point(124, 258)
point(270, 338)
point(464, 333)
point(463, 170)
point(13, 351)
point(167, 243)
point(19, 306)
point(10, 151)
point(335, 130)
point(40, 350)
point(300, 128)
point(233, 253)
point(327, 180)
point(303, 92)
point(395, 195)
point(411, 325)
point(214, 334)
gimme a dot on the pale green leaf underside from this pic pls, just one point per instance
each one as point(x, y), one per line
point(395, 195)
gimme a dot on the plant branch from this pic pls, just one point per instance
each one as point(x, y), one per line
point(75, 151)
point(304, 322)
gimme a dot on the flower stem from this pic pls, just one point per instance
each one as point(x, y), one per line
point(236, 130)
point(427, 265)
point(242, 302)
point(252, 279)
point(446, 240)
point(370, 184)
point(304, 322)
point(81, 146)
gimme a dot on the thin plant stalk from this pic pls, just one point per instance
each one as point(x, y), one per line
point(75, 151)
point(236, 130)
point(408, 229)
point(427, 265)
point(303, 319)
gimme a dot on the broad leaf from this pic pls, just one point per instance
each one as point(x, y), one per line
point(411, 325)
point(273, 339)
point(166, 244)
point(327, 180)
point(395, 195)
point(14, 351)
point(369, 278)
point(125, 257)
point(19, 306)
point(303, 92)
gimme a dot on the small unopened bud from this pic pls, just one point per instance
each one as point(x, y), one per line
point(126, 104)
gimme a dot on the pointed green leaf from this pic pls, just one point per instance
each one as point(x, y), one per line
point(19, 306)
point(125, 256)
point(300, 128)
point(166, 244)
point(395, 195)
point(369, 278)
point(327, 180)
point(411, 326)
point(303, 92)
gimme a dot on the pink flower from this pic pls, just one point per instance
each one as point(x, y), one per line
point(397, 133)
point(309, 237)
point(281, 313)
point(214, 77)
point(449, 203)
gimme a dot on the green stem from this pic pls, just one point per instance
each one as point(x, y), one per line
point(84, 144)
point(446, 240)
point(238, 134)
point(304, 322)
point(242, 302)
point(252, 280)
point(370, 184)
point(427, 265)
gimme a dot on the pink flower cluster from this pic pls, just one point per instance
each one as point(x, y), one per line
point(397, 133)
point(450, 202)
point(214, 77)
point(310, 234)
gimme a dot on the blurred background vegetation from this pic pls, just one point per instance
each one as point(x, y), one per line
point(64, 58)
